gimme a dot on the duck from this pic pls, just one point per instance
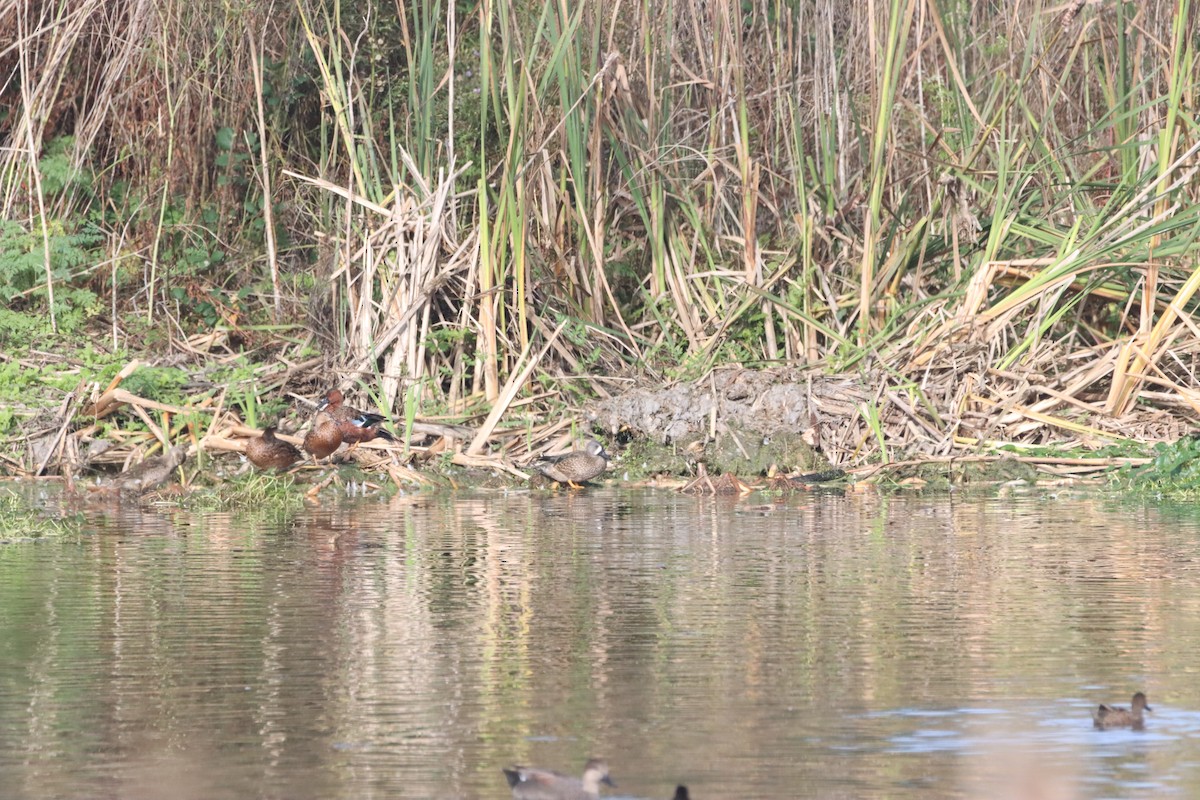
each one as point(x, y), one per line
point(152, 471)
point(323, 437)
point(1116, 717)
point(530, 783)
point(576, 467)
point(355, 426)
point(270, 452)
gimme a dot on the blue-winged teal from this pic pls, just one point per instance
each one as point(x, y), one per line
point(355, 426)
point(575, 467)
point(271, 452)
point(1116, 717)
point(529, 783)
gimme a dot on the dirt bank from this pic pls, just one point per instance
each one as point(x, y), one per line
point(734, 420)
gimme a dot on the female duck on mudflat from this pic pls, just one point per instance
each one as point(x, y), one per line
point(270, 452)
point(1116, 717)
point(530, 783)
point(323, 437)
point(576, 467)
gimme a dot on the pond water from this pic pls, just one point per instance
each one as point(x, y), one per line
point(410, 647)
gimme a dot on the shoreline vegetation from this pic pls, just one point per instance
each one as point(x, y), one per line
point(766, 237)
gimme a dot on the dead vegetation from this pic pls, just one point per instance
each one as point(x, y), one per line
point(922, 234)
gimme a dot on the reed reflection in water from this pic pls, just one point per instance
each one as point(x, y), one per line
point(411, 647)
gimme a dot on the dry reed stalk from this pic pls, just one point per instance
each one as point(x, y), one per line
point(232, 434)
point(33, 145)
point(1043, 419)
point(56, 443)
point(627, 181)
point(155, 429)
point(401, 258)
point(1127, 381)
point(221, 444)
point(488, 299)
point(113, 399)
point(314, 491)
point(520, 375)
point(1090, 464)
point(487, 462)
point(257, 49)
point(403, 476)
point(542, 440)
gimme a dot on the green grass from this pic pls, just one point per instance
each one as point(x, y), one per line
point(265, 493)
point(21, 521)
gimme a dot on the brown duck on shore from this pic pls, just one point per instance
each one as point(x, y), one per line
point(270, 452)
point(530, 783)
point(1116, 717)
point(355, 426)
point(323, 437)
point(152, 471)
point(576, 467)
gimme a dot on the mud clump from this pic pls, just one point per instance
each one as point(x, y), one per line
point(733, 420)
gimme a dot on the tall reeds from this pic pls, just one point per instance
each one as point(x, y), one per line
point(681, 184)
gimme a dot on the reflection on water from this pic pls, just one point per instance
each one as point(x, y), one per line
point(410, 648)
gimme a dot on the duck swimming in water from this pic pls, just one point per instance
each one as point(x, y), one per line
point(530, 783)
point(1116, 717)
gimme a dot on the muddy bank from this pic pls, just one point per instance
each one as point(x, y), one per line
point(936, 430)
point(735, 420)
point(750, 423)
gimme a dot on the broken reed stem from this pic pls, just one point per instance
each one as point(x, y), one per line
point(1093, 463)
point(33, 145)
point(514, 384)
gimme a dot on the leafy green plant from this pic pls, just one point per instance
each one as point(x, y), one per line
point(163, 384)
point(68, 246)
point(22, 254)
point(59, 172)
point(15, 326)
point(1174, 470)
